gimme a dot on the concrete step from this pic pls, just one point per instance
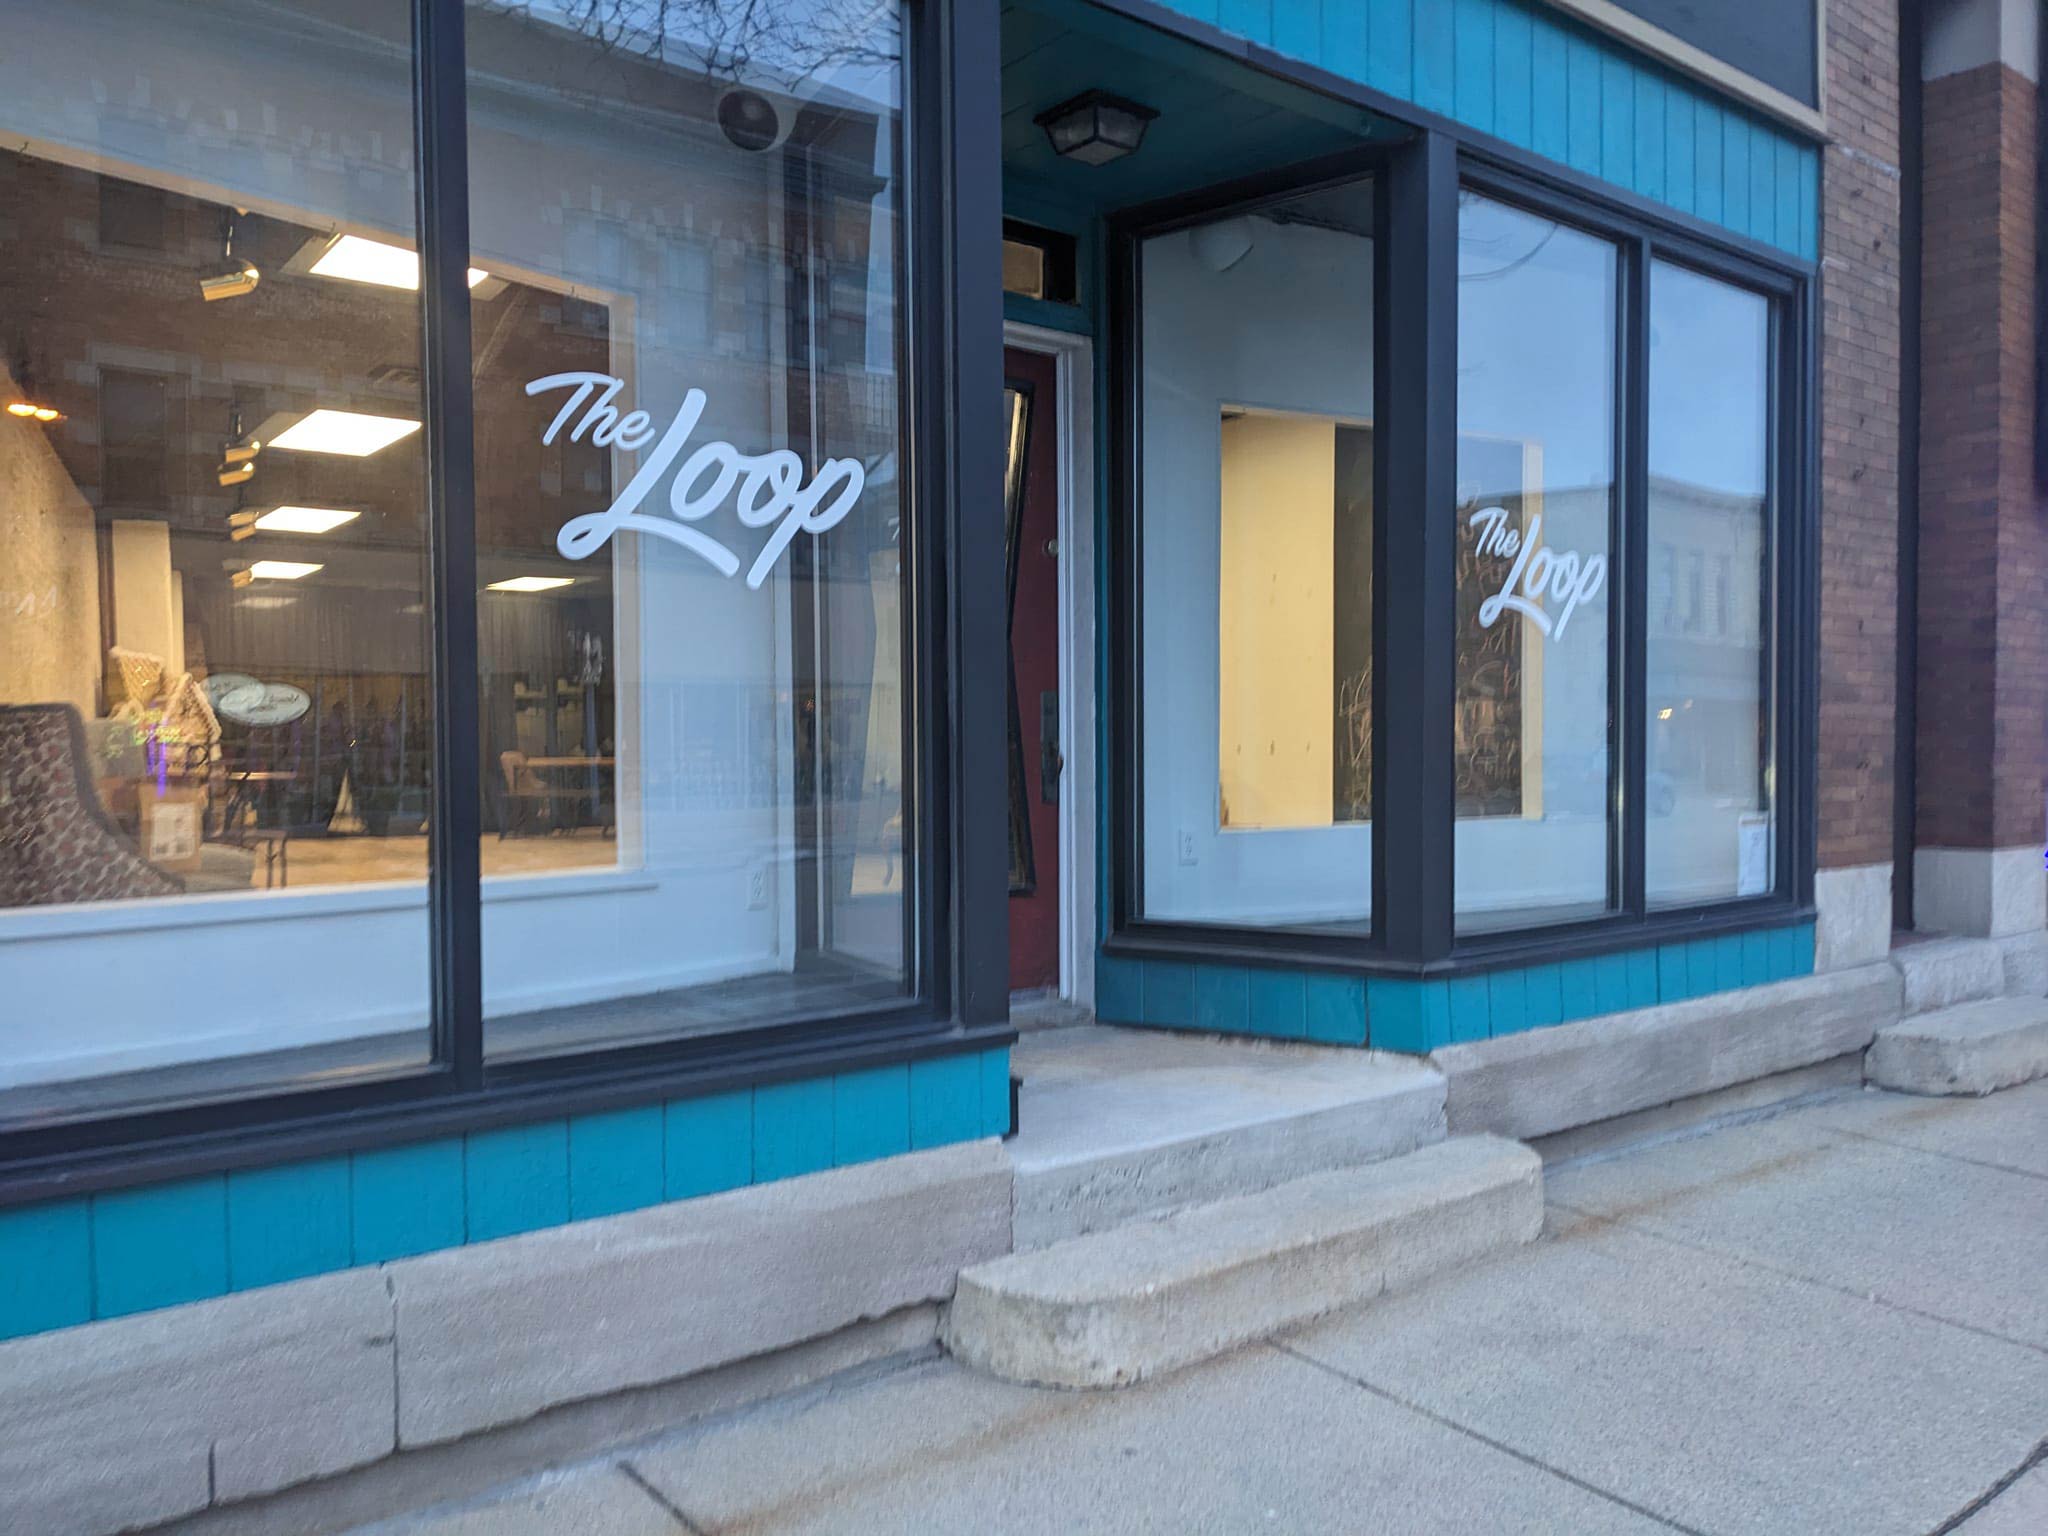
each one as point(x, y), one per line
point(1117, 1307)
point(1939, 973)
point(1972, 1048)
point(1119, 1124)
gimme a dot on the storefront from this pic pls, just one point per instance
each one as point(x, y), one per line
point(513, 548)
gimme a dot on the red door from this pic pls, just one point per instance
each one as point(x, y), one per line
point(1031, 526)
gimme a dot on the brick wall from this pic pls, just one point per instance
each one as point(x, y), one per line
point(1983, 660)
point(1860, 400)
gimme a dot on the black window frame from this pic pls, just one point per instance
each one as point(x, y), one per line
point(1412, 931)
point(953, 579)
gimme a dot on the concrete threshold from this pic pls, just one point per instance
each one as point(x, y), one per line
point(1118, 1124)
point(1113, 1308)
point(1971, 1048)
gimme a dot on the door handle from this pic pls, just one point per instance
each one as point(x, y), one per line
point(1051, 762)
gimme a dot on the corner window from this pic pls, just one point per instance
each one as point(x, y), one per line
point(1711, 829)
point(1551, 585)
point(1535, 589)
point(1257, 537)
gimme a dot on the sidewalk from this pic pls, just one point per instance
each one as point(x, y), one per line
point(1832, 1321)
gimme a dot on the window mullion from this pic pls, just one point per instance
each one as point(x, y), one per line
point(454, 882)
point(1415, 797)
point(1631, 535)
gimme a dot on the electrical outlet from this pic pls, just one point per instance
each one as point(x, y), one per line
point(757, 888)
point(1187, 846)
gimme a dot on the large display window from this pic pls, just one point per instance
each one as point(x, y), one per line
point(1444, 478)
point(462, 608)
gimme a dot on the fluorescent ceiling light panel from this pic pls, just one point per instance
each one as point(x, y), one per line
point(345, 432)
point(305, 519)
point(282, 570)
point(357, 260)
point(530, 584)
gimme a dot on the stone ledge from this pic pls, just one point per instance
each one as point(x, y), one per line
point(1118, 1307)
point(1973, 1048)
point(1939, 973)
point(496, 1332)
point(141, 1419)
point(1543, 1081)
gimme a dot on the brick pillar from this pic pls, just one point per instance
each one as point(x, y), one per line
point(1983, 612)
point(1859, 511)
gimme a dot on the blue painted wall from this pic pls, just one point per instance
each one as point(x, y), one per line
point(97, 1256)
point(1526, 74)
point(1393, 1013)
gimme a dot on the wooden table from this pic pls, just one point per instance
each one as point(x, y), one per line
point(565, 764)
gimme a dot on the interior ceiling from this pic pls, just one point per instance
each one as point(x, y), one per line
point(1218, 117)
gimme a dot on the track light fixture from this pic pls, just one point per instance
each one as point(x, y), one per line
point(238, 457)
point(241, 276)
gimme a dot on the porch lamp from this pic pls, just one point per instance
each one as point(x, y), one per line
point(1095, 127)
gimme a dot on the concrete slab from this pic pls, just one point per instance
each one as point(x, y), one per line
point(1846, 1212)
point(2022, 1510)
point(1939, 973)
point(2006, 1130)
point(1542, 1081)
point(595, 1501)
point(1257, 1441)
point(1715, 1394)
point(1973, 1048)
point(499, 1331)
point(141, 1419)
point(1117, 1307)
point(1114, 1124)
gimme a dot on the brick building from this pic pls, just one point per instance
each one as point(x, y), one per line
point(603, 601)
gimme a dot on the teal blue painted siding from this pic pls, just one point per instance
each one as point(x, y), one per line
point(708, 1144)
point(71, 1261)
point(286, 1223)
point(159, 1246)
point(45, 1267)
point(1392, 1013)
point(615, 1162)
point(406, 1200)
point(1542, 82)
point(1334, 1008)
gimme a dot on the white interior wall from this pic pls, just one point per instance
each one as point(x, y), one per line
point(1288, 328)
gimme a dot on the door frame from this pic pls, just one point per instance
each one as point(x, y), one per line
point(1074, 423)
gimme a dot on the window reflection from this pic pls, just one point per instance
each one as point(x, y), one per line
point(1536, 410)
point(1711, 826)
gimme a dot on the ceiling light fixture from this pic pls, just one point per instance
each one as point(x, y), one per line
point(1095, 127)
point(241, 276)
point(303, 519)
point(328, 431)
point(358, 259)
point(276, 570)
point(530, 584)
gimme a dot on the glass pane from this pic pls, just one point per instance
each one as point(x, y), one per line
point(1710, 833)
point(685, 231)
point(1536, 317)
point(214, 715)
point(1258, 537)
